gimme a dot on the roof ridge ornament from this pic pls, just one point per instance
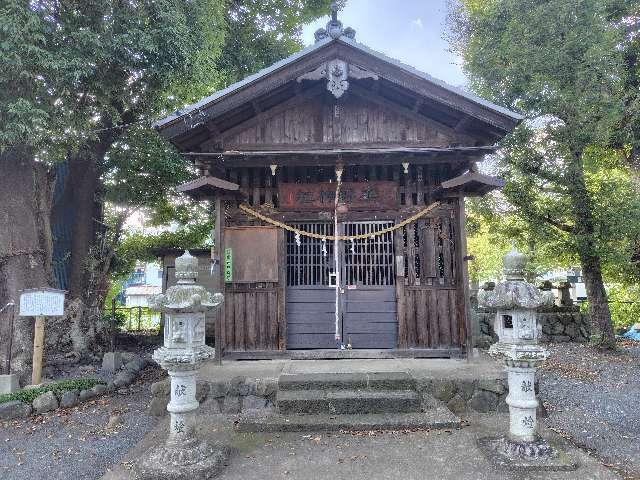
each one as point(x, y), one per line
point(334, 28)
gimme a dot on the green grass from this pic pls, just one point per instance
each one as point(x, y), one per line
point(30, 394)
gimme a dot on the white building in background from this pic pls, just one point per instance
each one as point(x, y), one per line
point(144, 282)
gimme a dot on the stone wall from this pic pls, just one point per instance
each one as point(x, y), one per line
point(229, 396)
point(558, 324)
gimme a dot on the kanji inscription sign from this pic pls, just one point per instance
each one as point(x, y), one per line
point(321, 196)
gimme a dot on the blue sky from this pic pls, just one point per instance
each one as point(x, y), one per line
point(410, 30)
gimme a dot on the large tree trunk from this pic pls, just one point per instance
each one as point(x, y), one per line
point(583, 233)
point(25, 245)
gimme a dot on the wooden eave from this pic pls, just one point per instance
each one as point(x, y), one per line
point(469, 184)
point(313, 155)
point(208, 187)
point(400, 83)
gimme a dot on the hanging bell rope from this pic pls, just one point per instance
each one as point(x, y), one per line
point(248, 210)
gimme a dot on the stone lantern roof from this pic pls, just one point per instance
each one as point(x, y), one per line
point(186, 296)
point(515, 292)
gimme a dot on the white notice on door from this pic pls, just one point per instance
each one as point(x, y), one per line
point(47, 302)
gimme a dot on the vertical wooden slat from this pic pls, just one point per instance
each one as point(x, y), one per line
point(411, 251)
point(432, 313)
point(262, 320)
point(220, 314)
point(239, 319)
point(230, 320)
point(446, 251)
point(272, 309)
point(401, 299)
point(421, 318)
point(256, 179)
point(411, 318)
point(428, 252)
point(250, 315)
point(444, 318)
point(455, 321)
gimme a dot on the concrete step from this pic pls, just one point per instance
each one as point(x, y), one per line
point(355, 380)
point(437, 418)
point(348, 401)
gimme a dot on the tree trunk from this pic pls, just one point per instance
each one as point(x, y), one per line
point(25, 244)
point(584, 236)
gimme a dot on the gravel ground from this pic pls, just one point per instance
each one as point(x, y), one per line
point(78, 443)
point(593, 398)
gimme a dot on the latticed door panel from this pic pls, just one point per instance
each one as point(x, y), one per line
point(369, 261)
point(311, 262)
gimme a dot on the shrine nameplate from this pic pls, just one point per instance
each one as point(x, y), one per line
point(321, 196)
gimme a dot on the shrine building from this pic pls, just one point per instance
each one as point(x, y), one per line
point(339, 178)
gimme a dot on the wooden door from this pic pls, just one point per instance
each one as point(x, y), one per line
point(310, 299)
point(369, 317)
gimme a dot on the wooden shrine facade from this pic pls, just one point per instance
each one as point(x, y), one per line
point(271, 149)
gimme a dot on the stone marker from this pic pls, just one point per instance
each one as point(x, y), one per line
point(516, 324)
point(9, 383)
point(111, 362)
point(183, 455)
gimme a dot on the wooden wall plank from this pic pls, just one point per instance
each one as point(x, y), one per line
point(239, 320)
point(421, 318)
point(250, 333)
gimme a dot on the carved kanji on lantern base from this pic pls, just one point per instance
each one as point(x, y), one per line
point(183, 455)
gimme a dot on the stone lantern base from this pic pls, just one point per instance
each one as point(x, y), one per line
point(190, 460)
point(538, 455)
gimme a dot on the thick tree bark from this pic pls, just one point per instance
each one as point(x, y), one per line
point(25, 244)
point(583, 234)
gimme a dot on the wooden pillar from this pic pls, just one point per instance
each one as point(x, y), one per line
point(38, 346)
point(219, 246)
point(464, 307)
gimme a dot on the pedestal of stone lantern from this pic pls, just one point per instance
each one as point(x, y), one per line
point(183, 455)
point(516, 301)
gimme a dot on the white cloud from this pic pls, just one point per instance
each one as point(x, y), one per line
point(417, 23)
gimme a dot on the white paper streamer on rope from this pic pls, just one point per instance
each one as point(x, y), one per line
point(298, 239)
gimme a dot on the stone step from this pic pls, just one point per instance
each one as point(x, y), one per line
point(348, 401)
point(353, 381)
point(437, 418)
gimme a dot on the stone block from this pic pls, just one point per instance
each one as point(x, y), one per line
point(557, 329)
point(561, 338)
point(9, 383)
point(69, 399)
point(135, 365)
point(163, 387)
point(86, 395)
point(123, 379)
point(484, 401)
point(252, 402)
point(202, 391)
point(14, 409)
point(109, 388)
point(158, 406)
point(238, 386)
point(232, 404)
point(218, 389)
point(99, 389)
point(443, 390)
point(466, 388)
point(127, 357)
point(571, 330)
point(45, 402)
point(457, 404)
point(494, 385)
point(266, 387)
point(111, 362)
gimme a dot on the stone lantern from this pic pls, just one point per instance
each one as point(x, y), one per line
point(183, 455)
point(516, 301)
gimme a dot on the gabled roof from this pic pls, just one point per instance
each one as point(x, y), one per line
point(215, 105)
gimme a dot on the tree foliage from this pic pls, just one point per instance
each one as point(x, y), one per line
point(565, 66)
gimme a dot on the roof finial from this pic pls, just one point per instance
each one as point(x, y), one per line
point(334, 27)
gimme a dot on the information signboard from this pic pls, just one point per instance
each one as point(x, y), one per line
point(47, 302)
